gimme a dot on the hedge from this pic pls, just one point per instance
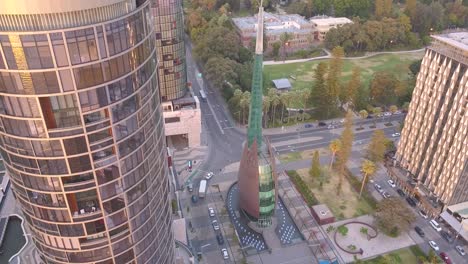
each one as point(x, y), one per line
point(302, 188)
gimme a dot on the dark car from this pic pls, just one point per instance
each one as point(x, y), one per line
point(445, 258)
point(401, 192)
point(190, 187)
point(194, 198)
point(419, 231)
point(322, 124)
point(370, 117)
point(308, 125)
point(411, 201)
point(220, 239)
point(446, 236)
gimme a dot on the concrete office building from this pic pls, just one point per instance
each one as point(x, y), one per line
point(81, 130)
point(323, 24)
point(434, 141)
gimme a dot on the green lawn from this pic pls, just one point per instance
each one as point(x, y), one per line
point(403, 256)
point(303, 71)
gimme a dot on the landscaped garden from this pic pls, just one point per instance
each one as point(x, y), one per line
point(402, 256)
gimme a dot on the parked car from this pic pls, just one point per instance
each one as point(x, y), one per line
point(209, 175)
point(387, 114)
point(434, 245)
point(445, 258)
point(435, 225)
point(194, 198)
point(423, 214)
point(386, 195)
point(190, 187)
point(396, 134)
point(401, 192)
point(225, 253)
point(331, 127)
point(378, 188)
point(308, 125)
point(397, 112)
point(370, 117)
point(322, 124)
point(411, 201)
point(211, 212)
point(460, 250)
point(419, 231)
point(447, 236)
point(220, 239)
point(215, 225)
point(391, 183)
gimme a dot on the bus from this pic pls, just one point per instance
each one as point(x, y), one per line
point(203, 95)
point(202, 189)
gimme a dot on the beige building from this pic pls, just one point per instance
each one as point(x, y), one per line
point(323, 24)
point(182, 122)
point(434, 142)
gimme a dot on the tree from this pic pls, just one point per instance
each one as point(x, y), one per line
point(275, 51)
point(393, 109)
point(432, 258)
point(349, 95)
point(335, 146)
point(377, 111)
point(363, 114)
point(274, 99)
point(319, 95)
point(382, 88)
point(266, 107)
point(362, 98)
point(410, 7)
point(346, 138)
point(368, 169)
point(218, 70)
point(315, 170)
point(305, 95)
point(377, 146)
point(284, 99)
point(285, 37)
point(234, 102)
point(244, 104)
point(334, 74)
point(392, 216)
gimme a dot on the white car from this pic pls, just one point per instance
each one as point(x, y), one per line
point(423, 214)
point(387, 114)
point(225, 253)
point(434, 245)
point(395, 134)
point(386, 195)
point(215, 225)
point(391, 183)
point(209, 175)
point(398, 112)
point(211, 212)
point(378, 188)
point(460, 250)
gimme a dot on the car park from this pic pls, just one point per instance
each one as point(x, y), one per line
point(211, 212)
point(434, 245)
point(209, 175)
point(401, 192)
point(447, 236)
point(419, 231)
point(391, 183)
point(444, 256)
point(396, 134)
point(435, 225)
point(194, 198)
point(411, 201)
point(220, 239)
point(460, 250)
point(215, 225)
point(225, 253)
point(423, 214)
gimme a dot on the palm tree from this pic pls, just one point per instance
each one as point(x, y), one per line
point(266, 107)
point(335, 146)
point(275, 101)
point(285, 37)
point(393, 109)
point(368, 168)
point(363, 114)
point(304, 96)
point(284, 99)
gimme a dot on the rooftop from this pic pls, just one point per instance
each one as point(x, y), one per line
point(273, 22)
point(461, 209)
point(282, 83)
point(326, 21)
point(456, 39)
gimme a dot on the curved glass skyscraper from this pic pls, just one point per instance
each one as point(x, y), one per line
point(81, 131)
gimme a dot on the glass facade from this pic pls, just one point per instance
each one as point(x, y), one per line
point(81, 135)
point(169, 33)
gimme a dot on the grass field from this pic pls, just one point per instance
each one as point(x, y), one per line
point(304, 71)
point(402, 256)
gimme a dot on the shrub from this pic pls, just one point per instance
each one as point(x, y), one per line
point(364, 230)
point(343, 230)
point(330, 228)
point(352, 247)
point(302, 188)
point(174, 206)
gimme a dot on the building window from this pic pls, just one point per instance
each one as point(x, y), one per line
point(171, 120)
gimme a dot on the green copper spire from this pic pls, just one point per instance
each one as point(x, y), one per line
point(254, 131)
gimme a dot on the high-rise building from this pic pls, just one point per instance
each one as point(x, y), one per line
point(169, 32)
point(434, 141)
point(81, 129)
point(257, 175)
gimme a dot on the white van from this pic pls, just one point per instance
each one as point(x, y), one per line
point(435, 225)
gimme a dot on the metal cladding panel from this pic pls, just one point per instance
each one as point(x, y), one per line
point(248, 181)
point(273, 167)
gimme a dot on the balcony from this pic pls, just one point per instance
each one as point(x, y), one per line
point(87, 214)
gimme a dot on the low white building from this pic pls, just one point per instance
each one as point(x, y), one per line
point(182, 122)
point(323, 24)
